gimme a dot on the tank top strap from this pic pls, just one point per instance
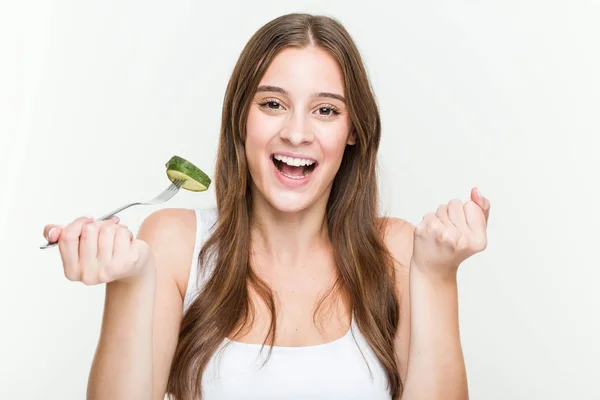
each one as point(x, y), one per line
point(205, 223)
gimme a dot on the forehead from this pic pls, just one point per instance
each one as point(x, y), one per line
point(305, 70)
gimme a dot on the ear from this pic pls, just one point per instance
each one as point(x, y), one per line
point(351, 137)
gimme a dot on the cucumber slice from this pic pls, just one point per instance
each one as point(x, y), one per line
point(195, 179)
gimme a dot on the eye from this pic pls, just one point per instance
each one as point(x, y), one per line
point(271, 104)
point(328, 111)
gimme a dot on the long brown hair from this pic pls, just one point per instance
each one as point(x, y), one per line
point(365, 269)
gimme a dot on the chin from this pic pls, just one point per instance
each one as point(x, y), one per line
point(290, 202)
point(286, 200)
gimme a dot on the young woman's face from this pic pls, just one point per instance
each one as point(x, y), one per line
point(297, 129)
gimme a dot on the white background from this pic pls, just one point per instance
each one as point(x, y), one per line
point(504, 95)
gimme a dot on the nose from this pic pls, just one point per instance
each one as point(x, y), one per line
point(296, 130)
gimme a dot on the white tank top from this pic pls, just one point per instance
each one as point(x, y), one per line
point(345, 368)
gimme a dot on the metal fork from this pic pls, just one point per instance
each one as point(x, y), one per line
point(165, 195)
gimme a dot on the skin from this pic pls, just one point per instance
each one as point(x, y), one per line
point(146, 277)
point(292, 243)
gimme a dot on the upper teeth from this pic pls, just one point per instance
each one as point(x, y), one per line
point(295, 162)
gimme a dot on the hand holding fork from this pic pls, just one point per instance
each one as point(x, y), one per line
point(102, 250)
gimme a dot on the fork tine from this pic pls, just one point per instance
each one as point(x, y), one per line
point(171, 190)
point(164, 194)
point(174, 187)
point(179, 183)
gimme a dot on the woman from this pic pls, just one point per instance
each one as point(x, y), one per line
point(294, 258)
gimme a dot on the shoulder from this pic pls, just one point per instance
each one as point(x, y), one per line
point(398, 237)
point(169, 226)
point(171, 234)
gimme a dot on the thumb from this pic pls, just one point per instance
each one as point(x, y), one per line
point(481, 201)
point(475, 218)
point(52, 232)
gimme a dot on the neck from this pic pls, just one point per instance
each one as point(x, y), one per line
point(288, 239)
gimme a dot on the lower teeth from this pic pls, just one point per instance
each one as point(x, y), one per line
point(296, 176)
point(304, 175)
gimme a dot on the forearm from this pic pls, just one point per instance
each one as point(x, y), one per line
point(122, 366)
point(436, 368)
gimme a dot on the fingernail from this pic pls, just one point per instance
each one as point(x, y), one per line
point(50, 234)
point(479, 194)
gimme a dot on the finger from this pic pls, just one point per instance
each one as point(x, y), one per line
point(442, 214)
point(486, 209)
point(90, 235)
point(106, 241)
point(88, 245)
point(433, 223)
point(456, 214)
point(113, 218)
point(422, 228)
point(122, 243)
point(481, 201)
point(52, 232)
point(68, 243)
point(475, 218)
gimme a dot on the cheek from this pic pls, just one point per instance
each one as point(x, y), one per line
point(260, 128)
point(334, 144)
point(250, 146)
point(259, 131)
point(254, 136)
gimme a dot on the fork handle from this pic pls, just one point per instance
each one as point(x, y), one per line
point(118, 210)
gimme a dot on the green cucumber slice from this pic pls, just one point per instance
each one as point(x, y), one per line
point(195, 179)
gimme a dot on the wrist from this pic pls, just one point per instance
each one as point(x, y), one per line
point(145, 275)
point(436, 275)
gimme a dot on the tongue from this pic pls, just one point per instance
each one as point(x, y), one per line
point(293, 171)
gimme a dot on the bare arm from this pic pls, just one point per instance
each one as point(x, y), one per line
point(427, 342)
point(122, 365)
point(436, 367)
point(142, 316)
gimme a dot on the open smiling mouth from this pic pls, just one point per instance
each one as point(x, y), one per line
point(293, 168)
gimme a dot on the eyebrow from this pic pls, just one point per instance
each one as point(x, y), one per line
point(277, 89)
